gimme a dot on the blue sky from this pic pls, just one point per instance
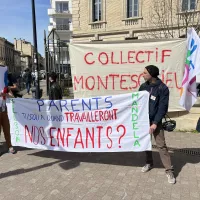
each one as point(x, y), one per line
point(16, 20)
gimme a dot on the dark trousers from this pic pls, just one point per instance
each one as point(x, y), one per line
point(5, 124)
point(163, 151)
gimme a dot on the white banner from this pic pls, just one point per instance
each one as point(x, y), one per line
point(108, 69)
point(192, 69)
point(100, 124)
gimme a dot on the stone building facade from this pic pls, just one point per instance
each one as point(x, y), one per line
point(7, 54)
point(27, 53)
point(97, 20)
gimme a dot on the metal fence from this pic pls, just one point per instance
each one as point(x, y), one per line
point(55, 60)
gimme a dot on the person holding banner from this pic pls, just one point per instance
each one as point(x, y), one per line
point(12, 84)
point(158, 107)
point(4, 121)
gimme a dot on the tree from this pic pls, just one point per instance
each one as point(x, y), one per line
point(171, 19)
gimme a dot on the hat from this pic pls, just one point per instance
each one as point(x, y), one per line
point(153, 70)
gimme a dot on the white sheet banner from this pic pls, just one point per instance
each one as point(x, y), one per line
point(109, 69)
point(98, 124)
point(192, 69)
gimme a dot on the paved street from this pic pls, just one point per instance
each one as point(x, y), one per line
point(46, 175)
point(34, 174)
point(98, 49)
point(43, 87)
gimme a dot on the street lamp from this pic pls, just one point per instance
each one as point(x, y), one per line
point(35, 57)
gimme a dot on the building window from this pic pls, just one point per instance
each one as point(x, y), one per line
point(62, 7)
point(188, 5)
point(97, 10)
point(132, 8)
point(62, 24)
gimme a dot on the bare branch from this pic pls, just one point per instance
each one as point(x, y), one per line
point(170, 20)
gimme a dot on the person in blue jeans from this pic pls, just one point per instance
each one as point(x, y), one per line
point(28, 79)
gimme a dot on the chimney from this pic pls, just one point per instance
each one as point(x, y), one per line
point(21, 44)
point(15, 40)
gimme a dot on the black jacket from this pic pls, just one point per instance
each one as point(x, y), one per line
point(27, 77)
point(55, 91)
point(158, 100)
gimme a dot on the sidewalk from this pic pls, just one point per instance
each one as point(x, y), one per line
point(44, 94)
point(48, 175)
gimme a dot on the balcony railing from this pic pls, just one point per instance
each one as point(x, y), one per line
point(62, 27)
point(59, 12)
point(62, 11)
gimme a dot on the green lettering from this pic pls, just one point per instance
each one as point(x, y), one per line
point(135, 109)
point(15, 123)
point(134, 103)
point(136, 143)
point(17, 139)
point(134, 124)
point(135, 136)
point(134, 117)
point(136, 94)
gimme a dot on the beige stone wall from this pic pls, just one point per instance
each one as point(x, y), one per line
point(114, 20)
point(7, 54)
point(113, 15)
point(24, 47)
point(2, 51)
point(17, 60)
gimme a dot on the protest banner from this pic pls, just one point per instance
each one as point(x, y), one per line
point(192, 69)
point(99, 124)
point(116, 68)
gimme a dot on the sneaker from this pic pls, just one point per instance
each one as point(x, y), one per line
point(147, 168)
point(171, 178)
point(11, 150)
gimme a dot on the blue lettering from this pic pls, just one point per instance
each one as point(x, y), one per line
point(52, 104)
point(109, 102)
point(88, 106)
point(56, 118)
point(61, 106)
point(97, 102)
point(73, 105)
point(40, 103)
